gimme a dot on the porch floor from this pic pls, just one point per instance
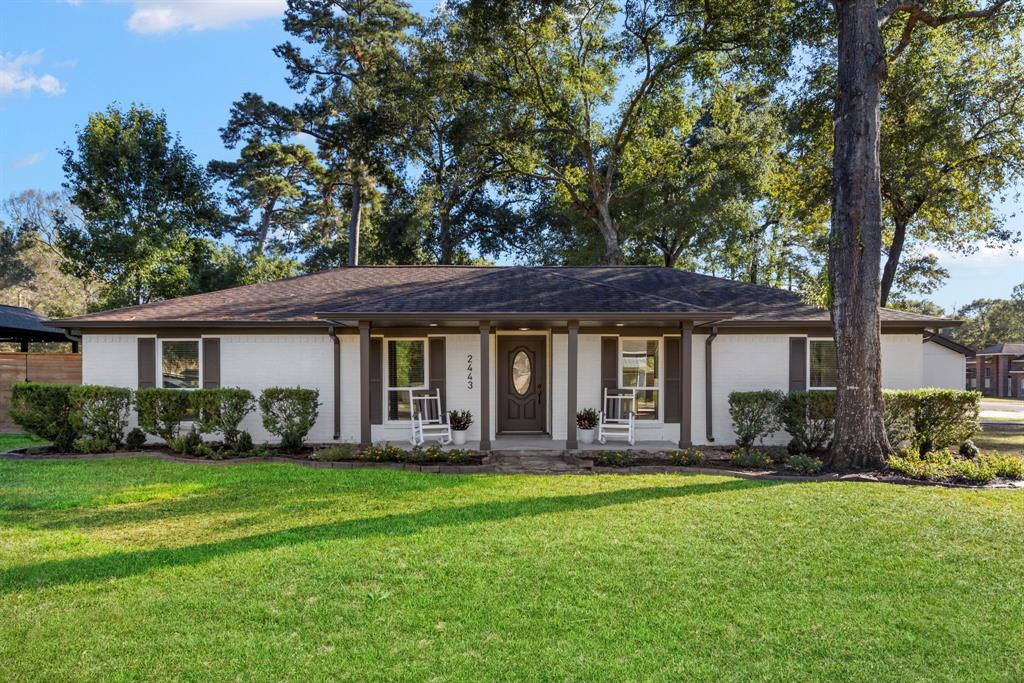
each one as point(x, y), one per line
point(543, 442)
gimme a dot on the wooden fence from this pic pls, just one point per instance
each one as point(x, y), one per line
point(59, 368)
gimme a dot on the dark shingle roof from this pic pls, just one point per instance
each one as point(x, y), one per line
point(951, 344)
point(1005, 348)
point(440, 290)
point(19, 322)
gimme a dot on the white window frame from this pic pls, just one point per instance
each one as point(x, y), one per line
point(661, 377)
point(811, 340)
point(387, 373)
point(160, 360)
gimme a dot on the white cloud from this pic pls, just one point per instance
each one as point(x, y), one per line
point(30, 160)
point(984, 257)
point(164, 16)
point(16, 75)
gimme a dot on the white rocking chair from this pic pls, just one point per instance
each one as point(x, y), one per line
point(618, 418)
point(428, 421)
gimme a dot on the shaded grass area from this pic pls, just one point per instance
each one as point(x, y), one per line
point(143, 569)
point(1005, 438)
point(9, 442)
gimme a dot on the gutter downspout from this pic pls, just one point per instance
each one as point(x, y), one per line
point(75, 341)
point(708, 431)
point(337, 381)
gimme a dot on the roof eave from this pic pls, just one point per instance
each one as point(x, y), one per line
point(349, 317)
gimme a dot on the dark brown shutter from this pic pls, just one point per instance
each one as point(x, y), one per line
point(673, 377)
point(211, 363)
point(609, 367)
point(797, 363)
point(147, 362)
point(376, 382)
point(437, 369)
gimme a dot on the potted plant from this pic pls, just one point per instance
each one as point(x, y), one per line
point(586, 421)
point(460, 420)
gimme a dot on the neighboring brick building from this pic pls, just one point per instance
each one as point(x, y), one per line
point(998, 370)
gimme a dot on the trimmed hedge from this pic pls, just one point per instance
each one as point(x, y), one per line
point(931, 419)
point(161, 412)
point(755, 415)
point(289, 414)
point(222, 411)
point(44, 410)
point(808, 417)
point(100, 416)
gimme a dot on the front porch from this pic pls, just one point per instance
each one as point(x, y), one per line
point(542, 443)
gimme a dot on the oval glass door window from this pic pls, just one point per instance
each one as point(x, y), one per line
point(522, 373)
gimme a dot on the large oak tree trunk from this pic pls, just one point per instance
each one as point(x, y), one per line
point(856, 239)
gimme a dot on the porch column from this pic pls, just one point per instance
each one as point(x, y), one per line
point(979, 373)
point(485, 385)
point(364, 383)
point(686, 384)
point(570, 404)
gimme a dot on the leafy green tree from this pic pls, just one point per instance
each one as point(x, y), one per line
point(865, 33)
point(270, 190)
point(461, 188)
point(692, 181)
point(31, 260)
point(991, 321)
point(558, 69)
point(145, 207)
point(349, 52)
point(952, 142)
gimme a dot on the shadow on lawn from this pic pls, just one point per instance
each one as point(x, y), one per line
point(128, 563)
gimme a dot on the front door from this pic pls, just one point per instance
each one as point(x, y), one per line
point(522, 396)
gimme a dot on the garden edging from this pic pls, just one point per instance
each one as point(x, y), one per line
point(489, 468)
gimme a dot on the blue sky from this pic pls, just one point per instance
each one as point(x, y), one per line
point(61, 60)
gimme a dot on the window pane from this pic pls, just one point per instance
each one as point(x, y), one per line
point(640, 369)
point(399, 405)
point(406, 366)
point(646, 404)
point(640, 362)
point(181, 364)
point(823, 364)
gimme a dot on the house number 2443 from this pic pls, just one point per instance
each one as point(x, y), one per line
point(469, 371)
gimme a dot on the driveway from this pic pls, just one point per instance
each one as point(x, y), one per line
point(1002, 410)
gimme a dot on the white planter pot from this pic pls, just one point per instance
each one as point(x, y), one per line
point(586, 435)
point(459, 437)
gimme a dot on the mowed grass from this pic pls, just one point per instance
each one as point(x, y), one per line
point(1005, 438)
point(9, 442)
point(139, 569)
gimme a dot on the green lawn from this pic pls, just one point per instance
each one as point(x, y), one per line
point(1007, 438)
point(9, 442)
point(143, 569)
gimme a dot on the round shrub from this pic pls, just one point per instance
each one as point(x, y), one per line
point(161, 412)
point(243, 443)
point(44, 410)
point(968, 449)
point(289, 414)
point(804, 464)
point(808, 417)
point(687, 457)
point(755, 415)
point(100, 415)
point(222, 410)
point(751, 457)
point(135, 439)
